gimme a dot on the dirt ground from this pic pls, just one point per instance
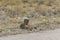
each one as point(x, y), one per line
point(45, 35)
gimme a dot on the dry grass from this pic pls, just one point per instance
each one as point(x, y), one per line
point(48, 11)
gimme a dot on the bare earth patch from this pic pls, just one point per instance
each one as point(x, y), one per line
point(46, 35)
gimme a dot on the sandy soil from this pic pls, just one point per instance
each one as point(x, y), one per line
point(46, 35)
